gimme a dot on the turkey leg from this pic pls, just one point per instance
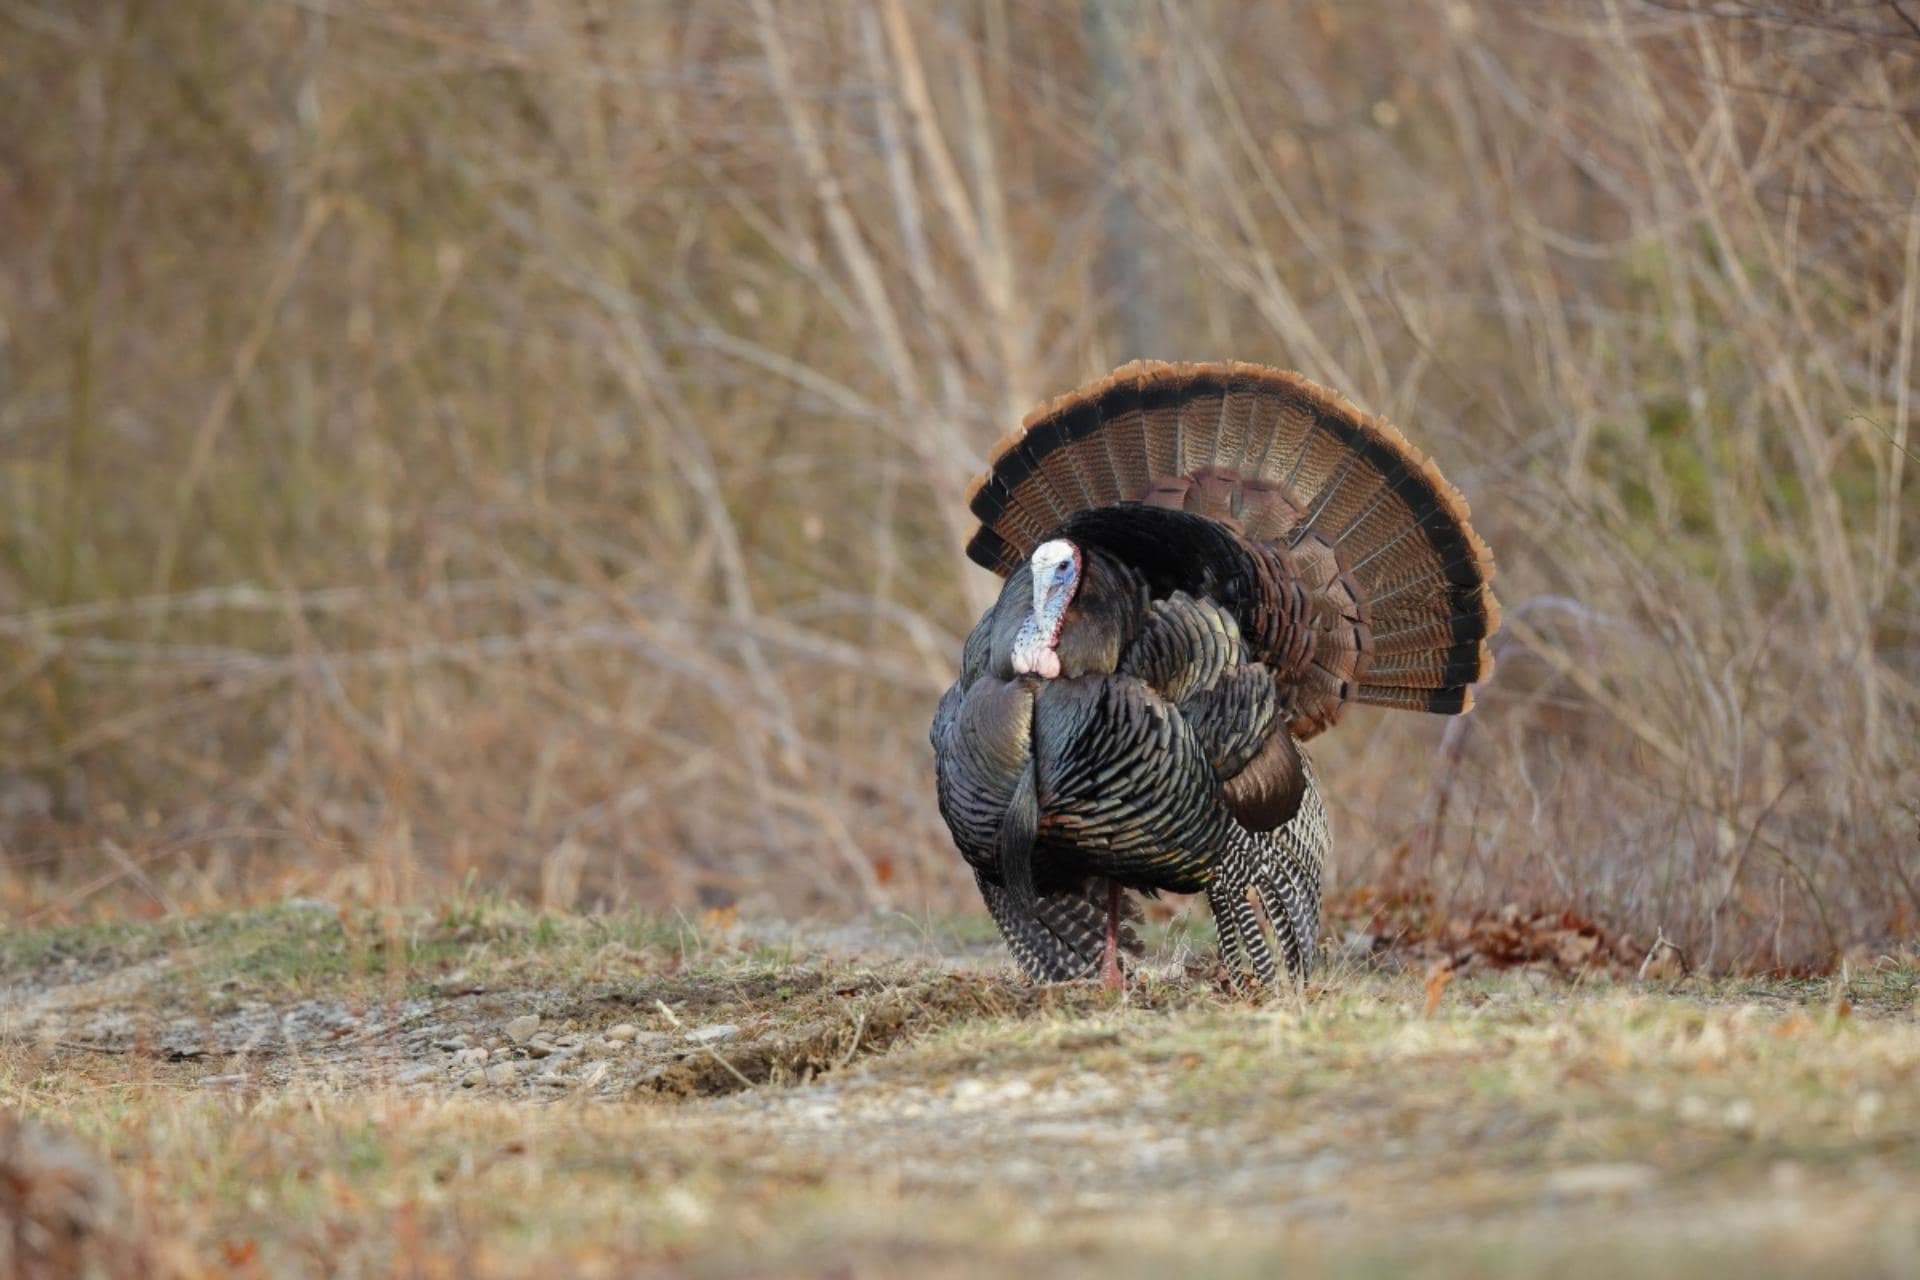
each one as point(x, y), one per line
point(1110, 974)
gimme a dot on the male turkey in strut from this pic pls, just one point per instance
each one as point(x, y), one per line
point(1205, 565)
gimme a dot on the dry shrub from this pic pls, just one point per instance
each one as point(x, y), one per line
point(523, 443)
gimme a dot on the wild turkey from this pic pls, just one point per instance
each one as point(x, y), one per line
point(1205, 564)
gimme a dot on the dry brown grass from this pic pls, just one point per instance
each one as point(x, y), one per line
point(247, 1095)
point(523, 442)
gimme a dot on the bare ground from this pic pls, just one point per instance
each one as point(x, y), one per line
point(479, 1092)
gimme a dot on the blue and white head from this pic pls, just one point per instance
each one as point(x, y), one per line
point(1055, 567)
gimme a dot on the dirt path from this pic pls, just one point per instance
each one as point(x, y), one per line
point(298, 1092)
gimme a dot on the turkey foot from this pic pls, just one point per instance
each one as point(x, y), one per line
point(1110, 975)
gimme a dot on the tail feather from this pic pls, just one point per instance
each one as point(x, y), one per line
point(1125, 421)
point(1440, 702)
point(1433, 668)
point(1238, 407)
point(1266, 435)
point(1088, 451)
point(1404, 600)
point(1050, 448)
point(1323, 465)
point(1295, 423)
point(1432, 633)
point(1161, 400)
point(1199, 414)
point(1426, 593)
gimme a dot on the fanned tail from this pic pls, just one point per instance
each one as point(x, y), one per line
point(1395, 602)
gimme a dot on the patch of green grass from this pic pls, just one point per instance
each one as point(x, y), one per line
point(311, 948)
point(25, 952)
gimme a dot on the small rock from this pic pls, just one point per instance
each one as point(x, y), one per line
point(473, 1079)
point(686, 1206)
point(521, 1029)
point(1358, 945)
point(621, 1031)
point(503, 1072)
point(552, 1080)
point(471, 1057)
point(541, 1048)
point(973, 1094)
point(1866, 1109)
point(421, 1074)
point(718, 1033)
point(453, 1045)
point(1599, 1179)
point(223, 1082)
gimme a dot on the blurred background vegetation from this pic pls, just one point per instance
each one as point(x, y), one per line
point(521, 444)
